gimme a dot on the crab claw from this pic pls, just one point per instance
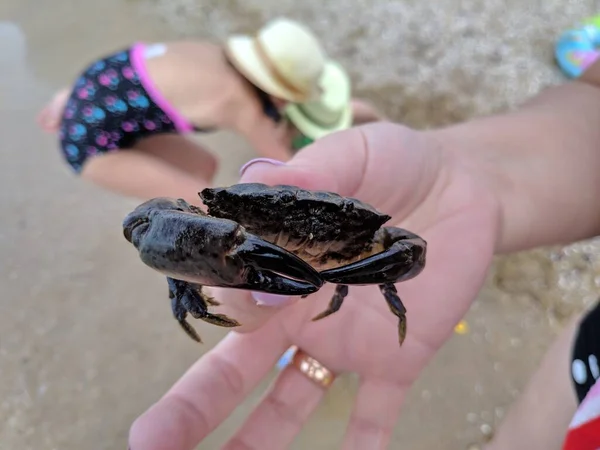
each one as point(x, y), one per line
point(136, 219)
point(183, 243)
point(404, 258)
point(265, 260)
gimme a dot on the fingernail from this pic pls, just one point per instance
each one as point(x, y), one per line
point(286, 358)
point(273, 162)
point(264, 299)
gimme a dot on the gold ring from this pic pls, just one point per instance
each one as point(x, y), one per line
point(313, 369)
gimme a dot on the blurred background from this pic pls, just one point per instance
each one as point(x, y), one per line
point(87, 341)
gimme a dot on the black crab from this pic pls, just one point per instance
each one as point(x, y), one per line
point(276, 239)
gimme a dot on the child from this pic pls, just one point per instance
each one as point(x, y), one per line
point(124, 123)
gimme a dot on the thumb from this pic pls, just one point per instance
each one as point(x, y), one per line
point(334, 163)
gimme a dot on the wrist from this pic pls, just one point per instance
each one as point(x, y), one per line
point(489, 184)
point(541, 163)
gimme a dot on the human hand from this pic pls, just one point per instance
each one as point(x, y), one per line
point(426, 190)
point(49, 117)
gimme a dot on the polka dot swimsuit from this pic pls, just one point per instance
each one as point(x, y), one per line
point(113, 104)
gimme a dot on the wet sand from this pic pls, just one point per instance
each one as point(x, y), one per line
point(81, 356)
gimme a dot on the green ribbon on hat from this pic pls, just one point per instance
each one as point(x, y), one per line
point(301, 141)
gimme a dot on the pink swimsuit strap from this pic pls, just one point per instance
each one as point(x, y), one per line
point(182, 124)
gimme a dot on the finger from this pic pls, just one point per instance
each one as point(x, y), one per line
point(314, 167)
point(281, 414)
point(210, 390)
point(375, 413)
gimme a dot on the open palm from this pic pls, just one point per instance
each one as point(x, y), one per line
point(403, 173)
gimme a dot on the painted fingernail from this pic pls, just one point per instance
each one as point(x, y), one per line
point(273, 162)
point(286, 358)
point(264, 299)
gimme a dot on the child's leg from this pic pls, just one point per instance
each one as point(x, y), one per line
point(183, 153)
point(143, 173)
point(541, 415)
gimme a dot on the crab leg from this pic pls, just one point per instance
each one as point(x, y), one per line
point(396, 306)
point(341, 291)
point(402, 259)
point(198, 287)
point(189, 298)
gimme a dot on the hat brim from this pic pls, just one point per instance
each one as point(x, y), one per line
point(313, 130)
point(242, 53)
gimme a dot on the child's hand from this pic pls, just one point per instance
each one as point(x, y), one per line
point(49, 118)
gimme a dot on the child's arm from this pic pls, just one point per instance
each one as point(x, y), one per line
point(544, 162)
point(269, 139)
point(363, 112)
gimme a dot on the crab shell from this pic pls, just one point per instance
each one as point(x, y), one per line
point(324, 229)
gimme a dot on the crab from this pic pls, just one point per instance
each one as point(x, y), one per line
point(275, 239)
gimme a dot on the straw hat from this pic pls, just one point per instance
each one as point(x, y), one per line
point(332, 112)
point(284, 59)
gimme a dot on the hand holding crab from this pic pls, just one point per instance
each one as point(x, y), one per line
point(399, 171)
